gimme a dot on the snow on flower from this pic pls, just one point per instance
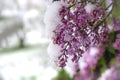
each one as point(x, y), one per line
point(53, 51)
point(108, 2)
point(75, 30)
point(89, 7)
point(52, 17)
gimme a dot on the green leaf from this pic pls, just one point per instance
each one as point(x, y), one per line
point(62, 75)
point(113, 60)
point(32, 78)
point(111, 49)
point(112, 36)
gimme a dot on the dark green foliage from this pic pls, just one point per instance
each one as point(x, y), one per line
point(110, 49)
point(109, 54)
point(33, 78)
point(62, 75)
point(112, 36)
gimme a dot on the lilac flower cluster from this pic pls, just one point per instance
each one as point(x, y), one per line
point(88, 61)
point(78, 31)
point(81, 41)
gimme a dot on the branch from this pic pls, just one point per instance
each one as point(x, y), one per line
point(77, 3)
point(105, 16)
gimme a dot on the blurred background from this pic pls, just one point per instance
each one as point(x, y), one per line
point(23, 44)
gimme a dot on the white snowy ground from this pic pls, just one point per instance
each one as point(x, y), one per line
point(26, 64)
point(30, 63)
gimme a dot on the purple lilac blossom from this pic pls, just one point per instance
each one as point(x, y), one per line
point(77, 31)
point(86, 63)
